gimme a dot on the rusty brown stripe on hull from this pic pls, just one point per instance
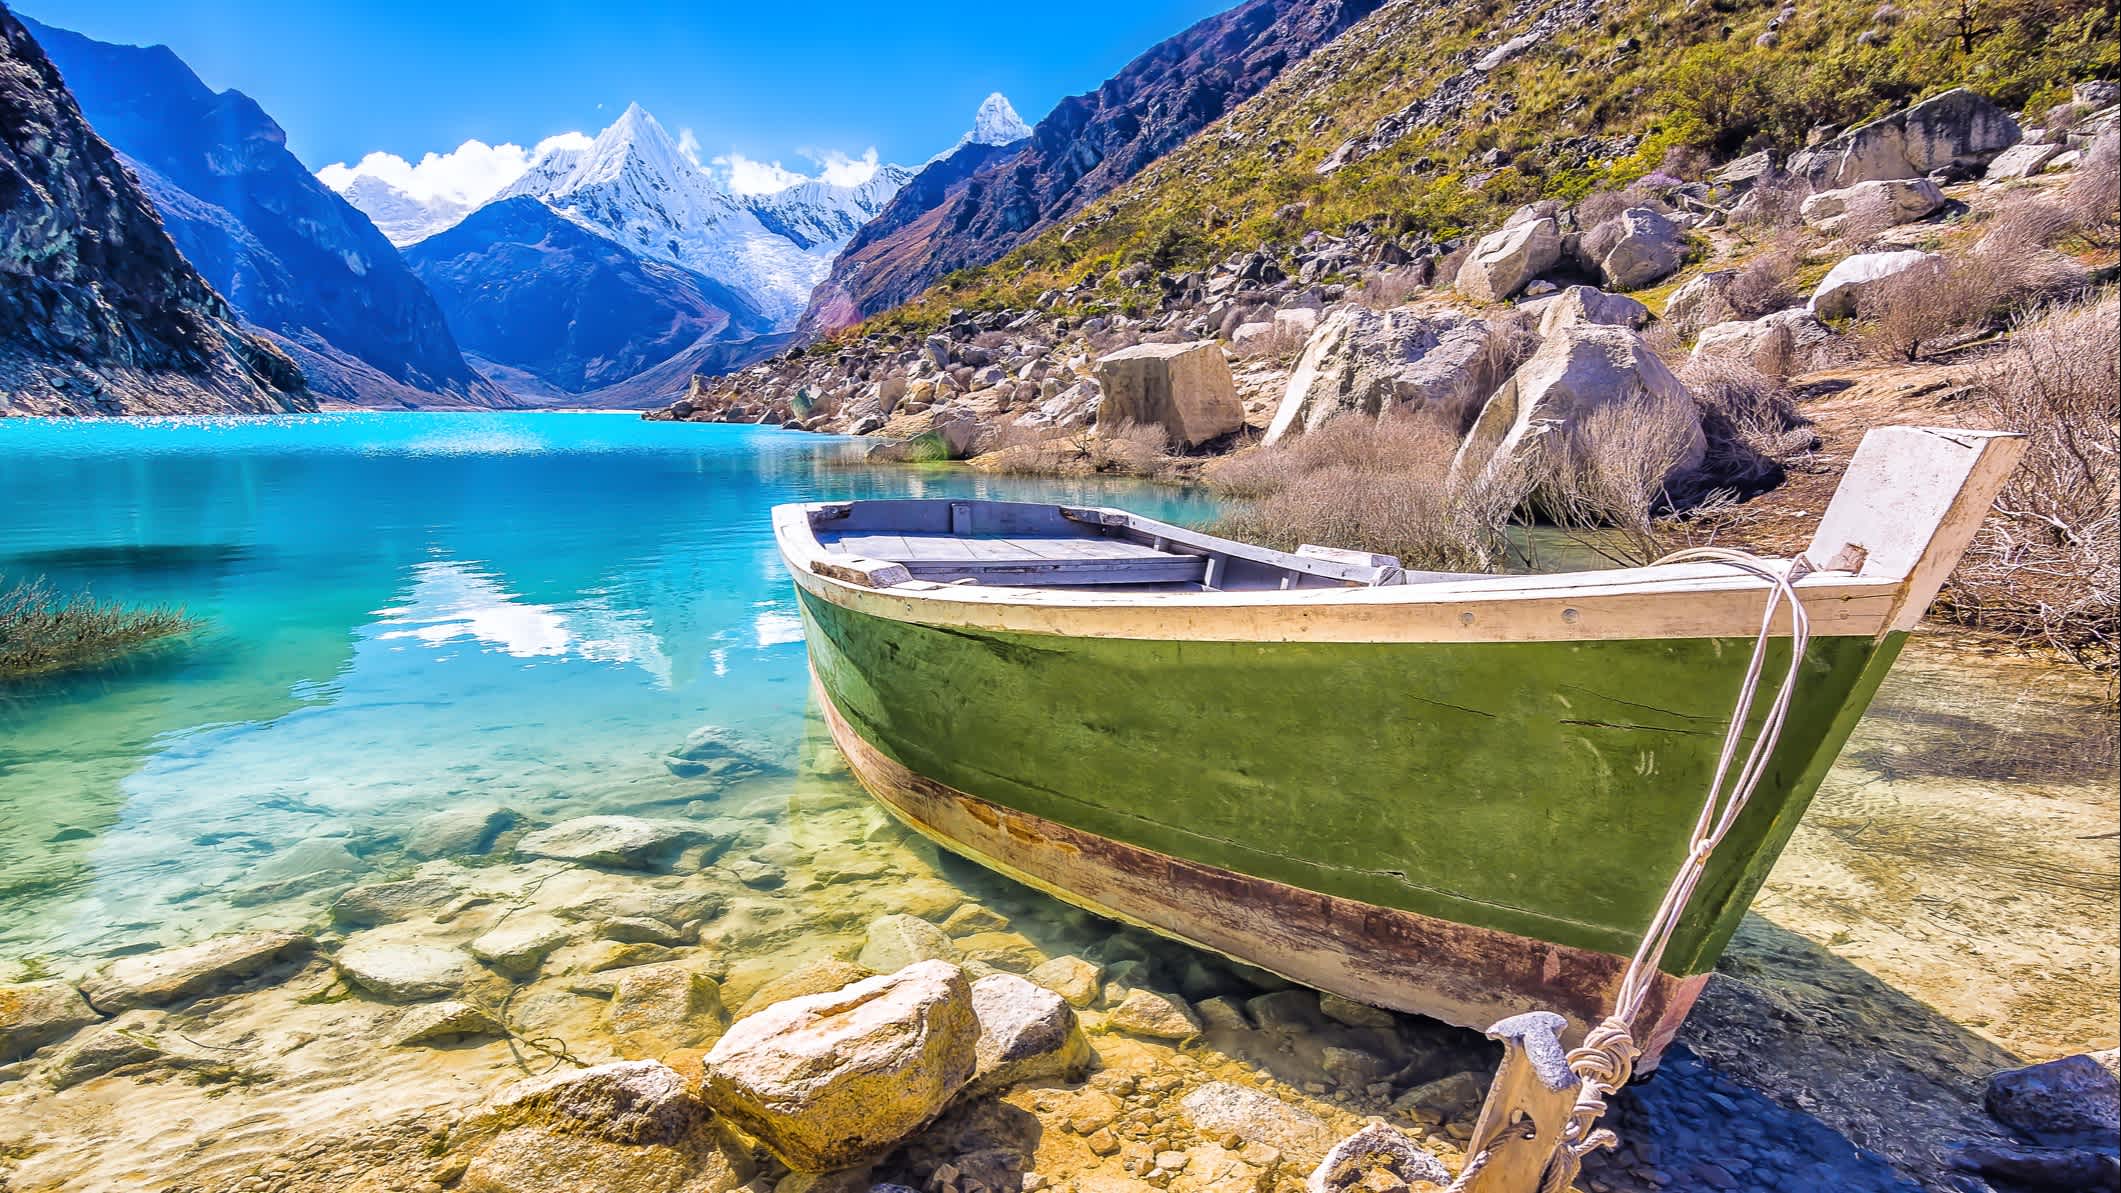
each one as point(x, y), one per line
point(1465, 975)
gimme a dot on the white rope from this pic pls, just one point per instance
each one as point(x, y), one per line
point(1606, 1059)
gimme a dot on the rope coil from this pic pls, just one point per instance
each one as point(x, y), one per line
point(1605, 1061)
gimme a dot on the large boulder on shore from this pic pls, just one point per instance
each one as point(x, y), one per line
point(1184, 388)
point(1368, 362)
point(2076, 1097)
point(1843, 288)
point(1635, 248)
point(1581, 368)
point(832, 1080)
point(1893, 201)
point(1955, 130)
point(1786, 342)
point(1502, 262)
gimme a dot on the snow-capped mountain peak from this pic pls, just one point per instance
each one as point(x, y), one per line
point(996, 123)
point(821, 216)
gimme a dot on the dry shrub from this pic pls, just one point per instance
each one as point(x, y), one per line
point(1380, 485)
point(2044, 566)
point(2094, 193)
point(1774, 204)
point(1667, 340)
point(1032, 451)
point(1866, 218)
point(1282, 344)
point(1131, 449)
point(1752, 423)
point(1383, 289)
point(1611, 473)
point(1599, 206)
point(1768, 282)
point(1953, 300)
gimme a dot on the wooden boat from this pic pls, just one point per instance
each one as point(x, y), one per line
point(1457, 795)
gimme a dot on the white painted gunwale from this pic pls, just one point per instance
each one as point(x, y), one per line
point(1673, 601)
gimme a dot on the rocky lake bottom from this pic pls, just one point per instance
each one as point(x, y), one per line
point(368, 887)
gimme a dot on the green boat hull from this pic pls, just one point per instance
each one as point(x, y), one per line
point(1540, 790)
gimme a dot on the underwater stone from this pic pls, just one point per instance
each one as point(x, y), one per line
point(517, 947)
point(457, 831)
point(402, 971)
point(1071, 977)
point(624, 842)
point(642, 929)
point(970, 918)
point(38, 1013)
point(897, 941)
point(1224, 1012)
point(1156, 1015)
point(390, 902)
point(1219, 1108)
point(1011, 951)
point(2074, 1096)
point(443, 1022)
point(832, 1080)
point(818, 977)
point(1451, 1096)
point(1284, 1008)
point(754, 873)
point(661, 1008)
point(1025, 1032)
point(634, 1102)
point(173, 975)
point(1353, 1014)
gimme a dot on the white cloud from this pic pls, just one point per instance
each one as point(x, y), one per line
point(689, 145)
point(840, 170)
point(749, 176)
point(746, 176)
point(469, 174)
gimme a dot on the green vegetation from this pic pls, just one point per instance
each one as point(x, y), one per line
point(42, 633)
point(1652, 84)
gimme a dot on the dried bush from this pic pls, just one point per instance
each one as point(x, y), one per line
point(1599, 206)
point(1131, 449)
point(1282, 344)
point(1380, 485)
point(990, 340)
point(43, 633)
point(1383, 289)
point(1611, 474)
point(1752, 423)
point(1768, 282)
point(2094, 193)
point(1865, 219)
point(2044, 566)
point(1774, 204)
point(1953, 300)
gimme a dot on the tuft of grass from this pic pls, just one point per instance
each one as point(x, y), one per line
point(43, 632)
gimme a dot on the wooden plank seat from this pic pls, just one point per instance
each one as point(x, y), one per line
point(1024, 559)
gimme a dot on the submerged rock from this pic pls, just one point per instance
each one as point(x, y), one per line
point(1374, 1158)
point(1154, 1014)
point(897, 941)
point(660, 1008)
point(1071, 977)
point(832, 1080)
point(1354, 1014)
point(622, 842)
point(193, 971)
point(1220, 1108)
point(1025, 1032)
point(34, 1014)
point(390, 902)
point(632, 1125)
point(818, 977)
point(518, 945)
point(138, 1040)
point(398, 970)
point(455, 832)
point(633, 1101)
point(444, 1023)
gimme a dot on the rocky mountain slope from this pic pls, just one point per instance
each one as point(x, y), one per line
point(1085, 147)
point(292, 257)
point(99, 312)
point(572, 317)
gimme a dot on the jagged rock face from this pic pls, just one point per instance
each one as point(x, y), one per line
point(99, 312)
point(1087, 146)
point(568, 321)
point(292, 257)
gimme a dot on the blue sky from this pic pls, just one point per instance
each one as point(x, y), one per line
point(765, 80)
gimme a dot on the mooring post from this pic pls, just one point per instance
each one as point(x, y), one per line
point(1527, 1110)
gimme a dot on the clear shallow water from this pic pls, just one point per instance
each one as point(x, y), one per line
point(405, 612)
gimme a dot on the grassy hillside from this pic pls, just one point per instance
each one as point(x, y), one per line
point(1606, 94)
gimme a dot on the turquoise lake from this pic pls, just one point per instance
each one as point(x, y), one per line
point(403, 612)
